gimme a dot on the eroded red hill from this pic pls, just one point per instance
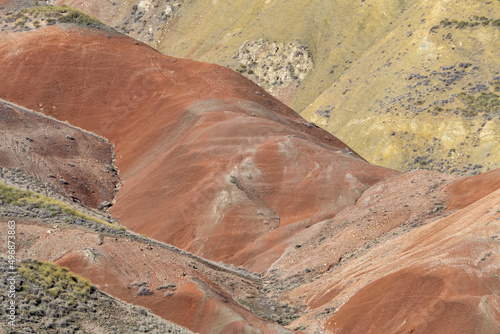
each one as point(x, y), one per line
point(396, 262)
point(442, 277)
point(210, 162)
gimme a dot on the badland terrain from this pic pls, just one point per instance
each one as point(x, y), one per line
point(154, 193)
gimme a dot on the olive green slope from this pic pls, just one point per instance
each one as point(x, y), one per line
point(334, 32)
point(427, 94)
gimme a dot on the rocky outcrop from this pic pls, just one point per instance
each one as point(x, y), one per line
point(276, 67)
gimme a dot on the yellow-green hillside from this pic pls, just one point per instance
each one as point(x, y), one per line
point(425, 95)
point(335, 33)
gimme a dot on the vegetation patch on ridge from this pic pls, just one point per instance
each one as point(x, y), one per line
point(486, 103)
point(43, 15)
point(17, 197)
point(474, 21)
point(58, 281)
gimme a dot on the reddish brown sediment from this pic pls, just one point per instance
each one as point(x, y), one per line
point(440, 277)
point(466, 191)
point(210, 162)
point(183, 289)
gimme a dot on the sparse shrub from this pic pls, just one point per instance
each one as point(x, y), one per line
point(474, 22)
point(487, 103)
point(56, 279)
point(78, 17)
point(324, 112)
point(460, 24)
point(21, 23)
point(497, 86)
point(56, 291)
point(446, 23)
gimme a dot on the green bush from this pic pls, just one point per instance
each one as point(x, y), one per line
point(58, 281)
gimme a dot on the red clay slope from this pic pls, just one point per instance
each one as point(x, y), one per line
point(426, 275)
point(75, 164)
point(210, 162)
point(182, 289)
point(396, 261)
point(466, 191)
point(440, 278)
